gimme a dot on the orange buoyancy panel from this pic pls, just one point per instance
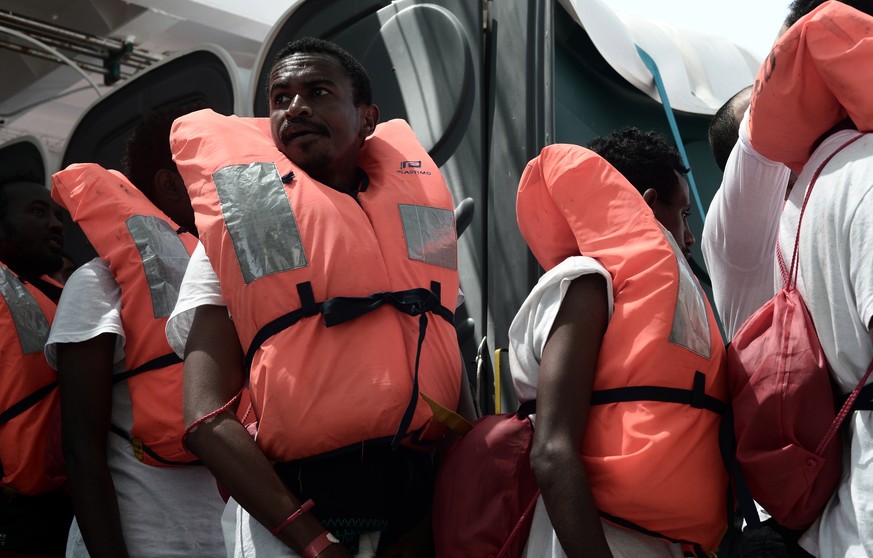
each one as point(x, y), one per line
point(813, 79)
point(283, 243)
point(147, 258)
point(30, 443)
point(651, 448)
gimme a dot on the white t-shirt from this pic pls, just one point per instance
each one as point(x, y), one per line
point(739, 234)
point(165, 511)
point(200, 287)
point(836, 282)
point(527, 339)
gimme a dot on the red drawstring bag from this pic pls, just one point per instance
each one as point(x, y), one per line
point(486, 491)
point(783, 403)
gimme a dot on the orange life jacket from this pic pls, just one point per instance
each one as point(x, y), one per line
point(814, 78)
point(651, 448)
point(297, 258)
point(29, 404)
point(147, 258)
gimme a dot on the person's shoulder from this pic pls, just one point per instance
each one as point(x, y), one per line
point(91, 275)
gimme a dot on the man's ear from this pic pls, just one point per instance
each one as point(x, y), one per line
point(650, 196)
point(169, 185)
point(369, 119)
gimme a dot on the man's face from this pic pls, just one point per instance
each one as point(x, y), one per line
point(314, 119)
point(31, 230)
point(673, 214)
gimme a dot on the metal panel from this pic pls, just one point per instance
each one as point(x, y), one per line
point(520, 61)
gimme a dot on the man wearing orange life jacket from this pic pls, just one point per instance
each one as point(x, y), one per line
point(622, 353)
point(136, 491)
point(332, 241)
point(810, 110)
point(34, 509)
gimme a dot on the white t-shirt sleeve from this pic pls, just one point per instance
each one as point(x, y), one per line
point(89, 306)
point(861, 260)
point(740, 231)
point(533, 322)
point(200, 287)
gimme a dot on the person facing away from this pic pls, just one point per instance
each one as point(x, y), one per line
point(35, 511)
point(739, 243)
point(740, 230)
point(822, 132)
point(135, 491)
point(301, 219)
point(617, 321)
point(656, 170)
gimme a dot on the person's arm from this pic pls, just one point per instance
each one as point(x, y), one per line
point(213, 375)
point(566, 379)
point(85, 378)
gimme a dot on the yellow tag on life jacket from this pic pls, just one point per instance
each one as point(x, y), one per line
point(136, 444)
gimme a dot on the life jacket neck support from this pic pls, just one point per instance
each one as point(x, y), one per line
point(30, 453)
point(354, 270)
point(659, 389)
point(811, 82)
point(147, 254)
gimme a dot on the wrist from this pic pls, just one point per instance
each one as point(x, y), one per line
point(305, 507)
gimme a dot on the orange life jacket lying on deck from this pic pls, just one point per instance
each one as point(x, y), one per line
point(30, 443)
point(651, 448)
point(147, 258)
point(298, 259)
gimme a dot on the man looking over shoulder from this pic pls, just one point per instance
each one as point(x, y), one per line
point(34, 510)
point(324, 283)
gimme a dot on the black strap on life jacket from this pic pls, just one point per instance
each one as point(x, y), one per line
point(138, 444)
point(338, 310)
point(157, 363)
point(27, 402)
point(695, 397)
point(162, 361)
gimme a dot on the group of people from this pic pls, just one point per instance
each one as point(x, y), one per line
point(261, 360)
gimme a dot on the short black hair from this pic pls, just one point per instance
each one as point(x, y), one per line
point(363, 90)
point(148, 148)
point(644, 158)
point(800, 8)
point(15, 178)
point(724, 128)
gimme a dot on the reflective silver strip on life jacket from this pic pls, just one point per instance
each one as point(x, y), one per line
point(690, 321)
point(259, 219)
point(164, 260)
point(30, 322)
point(430, 235)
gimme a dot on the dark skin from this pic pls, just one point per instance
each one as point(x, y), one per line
point(318, 125)
point(85, 377)
point(564, 390)
point(31, 229)
point(315, 121)
point(673, 213)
